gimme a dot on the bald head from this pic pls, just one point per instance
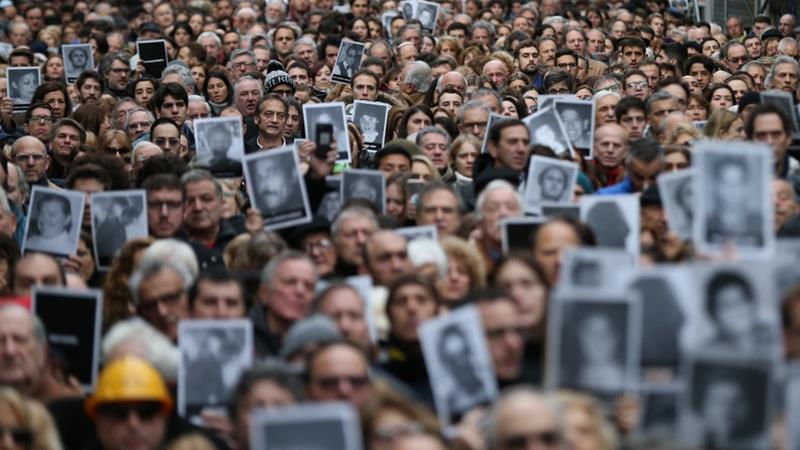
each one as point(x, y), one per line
point(387, 256)
point(453, 81)
point(523, 412)
point(496, 71)
point(31, 156)
point(611, 129)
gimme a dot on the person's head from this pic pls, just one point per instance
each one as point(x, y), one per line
point(630, 113)
point(342, 303)
point(785, 202)
point(439, 204)
point(645, 160)
point(202, 195)
point(24, 353)
point(412, 300)
point(247, 93)
point(338, 372)
point(386, 255)
point(508, 144)
point(434, 143)
point(271, 115)
point(550, 241)
point(660, 105)
point(166, 134)
point(611, 144)
point(604, 103)
point(170, 101)
point(116, 70)
point(784, 75)
point(510, 425)
point(36, 269)
point(159, 289)
point(286, 289)
point(31, 155)
point(472, 118)
point(730, 303)
point(217, 294)
point(350, 231)
point(632, 51)
point(501, 324)
point(498, 200)
point(130, 405)
point(54, 215)
point(164, 204)
point(768, 124)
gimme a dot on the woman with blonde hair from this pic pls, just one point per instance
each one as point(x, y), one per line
point(684, 134)
point(389, 414)
point(117, 300)
point(466, 271)
point(725, 125)
point(450, 47)
point(585, 426)
point(463, 153)
point(424, 169)
point(27, 422)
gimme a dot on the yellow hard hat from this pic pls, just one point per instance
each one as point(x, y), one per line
point(129, 379)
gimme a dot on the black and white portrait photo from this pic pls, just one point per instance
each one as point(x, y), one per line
point(22, 83)
point(117, 217)
point(659, 414)
point(220, 145)
point(727, 403)
point(426, 13)
point(593, 343)
point(550, 211)
point(306, 426)
point(517, 233)
point(371, 120)
point(733, 195)
point(78, 58)
point(546, 129)
point(153, 56)
point(596, 269)
point(76, 340)
point(419, 232)
point(493, 119)
point(53, 224)
point(550, 180)
point(333, 114)
point(738, 300)
point(348, 61)
point(214, 353)
point(365, 184)
point(578, 119)
point(407, 9)
point(548, 101)
point(457, 358)
point(679, 203)
point(785, 102)
point(792, 421)
point(614, 219)
point(276, 188)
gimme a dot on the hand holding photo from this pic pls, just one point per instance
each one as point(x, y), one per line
point(276, 187)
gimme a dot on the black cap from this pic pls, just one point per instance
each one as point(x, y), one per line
point(772, 33)
point(749, 98)
point(650, 197)
point(151, 27)
point(391, 149)
point(317, 224)
point(494, 173)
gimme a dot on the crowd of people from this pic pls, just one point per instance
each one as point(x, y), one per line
point(658, 80)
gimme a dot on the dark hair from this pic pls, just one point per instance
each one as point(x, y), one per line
point(87, 74)
point(627, 104)
point(716, 86)
point(162, 121)
point(558, 76)
point(90, 116)
point(166, 163)
point(761, 110)
point(707, 62)
point(721, 280)
point(29, 111)
point(88, 172)
point(661, 84)
point(275, 97)
point(144, 79)
point(405, 280)
point(52, 86)
point(282, 376)
point(174, 90)
point(368, 73)
point(184, 25)
point(403, 127)
point(496, 131)
point(63, 202)
point(161, 181)
point(221, 76)
point(24, 52)
point(631, 42)
point(214, 276)
point(113, 166)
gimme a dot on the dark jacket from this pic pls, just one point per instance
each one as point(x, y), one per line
point(266, 342)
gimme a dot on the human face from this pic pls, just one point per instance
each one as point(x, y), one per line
point(65, 143)
point(499, 204)
point(455, 286)
point(597, 338)
point(417, 121)
point(140, 427)
point(164, 212)
point(283, 41)
point(768, 128)
point(22, 356)
point(167, 137)
point(36, 270)
point(661, 109)
point(734, 311)
point(52, 220)
point(785, 78)
point(346, 309)
point(632, 56)
point(694, 110)
point(783, 198)
point(319, 248)
point(547, 53)
point(411, 305)
point(173, 108)
point(118, 75)
point(465, 159)
point(56, 101)
point(528, 60)
point(434, 146)
point(41, 123)
point(247, 96)
point(323, 78)
point(699, 72)
point(634, 121)
point(721, 99)
point(637, 86)
point(475, 120)
point(392, 164)
point(675, 161)
point(501, 323)
point(242, 64)
point(510, 109)
point(611, 146)
point(643, 175)
point(365, 87)
point(388, 257)
point(142, 94)
point(440, 208)
point(202, 207)
point(604, 110)
point(33, 160)
point(138, 123)
point(339, 373)
point(737, 56)
point(710, 47)
point(54, 68)
point(738, 87)
point(272, 119)
point(753, 47)
point(512, 149)
point(496, 71)
point(395, 202)
point(218, 301)
point(352, 238)
point(163, 302)
point(757, 73)
point(516, 431)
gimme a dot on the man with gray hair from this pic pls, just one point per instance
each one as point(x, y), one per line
point(784, 75)
point(212, 44)
point(524, 418)
point(305, 49)
point(137, 337)
point(350, 231)
point(285, 295)
point(176, 72)
point(159, 290)
point(247, 94)
point(497, 201)
point(435, 144)
point(142, 151)
point(275, 12)
point(472, 118)
point(452, 81)
point(116, 69)
point(242, 62)
point(415, 79)
point(138, 122)
point(23, 357)
point(198, 109)
point(788, 47)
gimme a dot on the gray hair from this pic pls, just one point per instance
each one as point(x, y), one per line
point(645, 150)
point(199, 175)
point(605, 78)
point(152, 267)
point(723, 52)
point(435, 186)
point(39, 331)
point(659, 96)
point(419, 75)
point(349, 213)
point(135, 110)
point(786, 42)
point(279, 2)
point(482, 24)
point(178, 252)
point(783, 59)
point(472, 104)
point(750, 64)
point(432, 130)
point(241, 80)
point(239, 52)
point(156, 348)
point(303, 41)
point(555, 19)
point(108, 60)
point(428, 251)
point(210, 34)
point(4, 202)
point(268, 273)
point(181, 70)
point(494, 185)
point(139, 146)
point(489, 425)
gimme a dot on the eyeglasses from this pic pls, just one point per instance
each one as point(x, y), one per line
point(473, 125)
point(242, 65)
point(21, 436)
point(636, 85)
point(330, 383)
point(158, 206)
point(36, 157)
point(547, 438)
point(120, 70)
point(43, 119)
point(136, 126)
point(321, 245)
point(120, 412)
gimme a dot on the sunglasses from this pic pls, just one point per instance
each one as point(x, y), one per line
point(120, 412)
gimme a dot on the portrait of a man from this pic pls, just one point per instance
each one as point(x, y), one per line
point(732, 213)
point(553, 184)
point(219, 145)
